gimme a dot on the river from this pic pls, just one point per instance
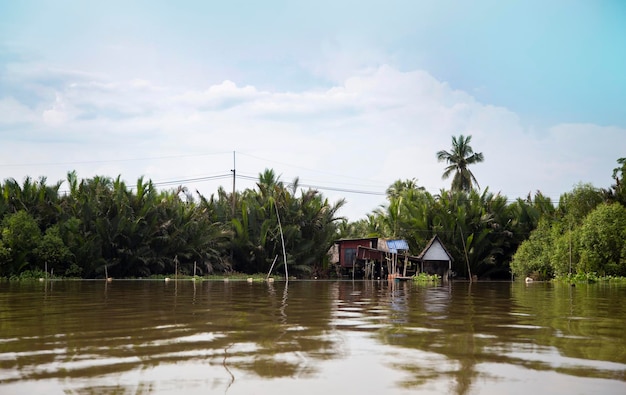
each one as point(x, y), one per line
point(311, 337)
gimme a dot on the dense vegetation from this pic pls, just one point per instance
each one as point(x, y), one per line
point(481, 230)
point(585, 236)
point(490, 236)
point(101, 225)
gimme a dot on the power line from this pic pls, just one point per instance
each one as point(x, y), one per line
point(192, 180)
point(362, 192)
point(325, 188)
point(355, 191)
point(305, 168)
point(238, 175)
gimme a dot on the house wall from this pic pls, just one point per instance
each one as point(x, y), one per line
point(347, 250)
point(436, 253)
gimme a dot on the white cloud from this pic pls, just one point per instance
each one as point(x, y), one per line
point(57, 113)
point(377, 126)
point(13, 112)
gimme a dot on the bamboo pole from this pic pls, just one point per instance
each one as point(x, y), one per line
point(271, 267)
point(282, 240)
point(469, 271)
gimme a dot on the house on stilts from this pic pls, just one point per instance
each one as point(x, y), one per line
point(378, 258)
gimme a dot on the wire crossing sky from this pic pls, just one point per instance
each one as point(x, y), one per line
point(346, 95)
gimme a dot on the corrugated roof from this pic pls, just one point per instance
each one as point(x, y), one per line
point(395, 245)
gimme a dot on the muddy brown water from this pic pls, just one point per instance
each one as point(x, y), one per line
point(311, 337)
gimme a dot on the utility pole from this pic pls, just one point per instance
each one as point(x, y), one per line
point(234, 176)
point(233, 210)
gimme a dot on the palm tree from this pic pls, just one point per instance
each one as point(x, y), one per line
point(401, 186)
point(459, 158)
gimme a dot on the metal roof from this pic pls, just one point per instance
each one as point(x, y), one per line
point(395, 245)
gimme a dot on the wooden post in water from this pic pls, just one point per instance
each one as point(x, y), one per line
point(271, 267)
point(176, 268)
point(106, 274)
point(405, 263)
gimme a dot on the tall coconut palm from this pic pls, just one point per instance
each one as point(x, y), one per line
point(459, 158)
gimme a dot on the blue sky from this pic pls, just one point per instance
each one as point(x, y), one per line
point(343, 94)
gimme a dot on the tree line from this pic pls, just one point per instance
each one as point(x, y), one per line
point(102, 226)
point(585, 235)
point(490, 236)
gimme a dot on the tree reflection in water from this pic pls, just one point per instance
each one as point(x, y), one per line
point(334, 336)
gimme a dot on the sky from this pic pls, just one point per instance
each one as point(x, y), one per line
point(347, 96)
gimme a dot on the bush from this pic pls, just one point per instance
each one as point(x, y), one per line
point(27, 275)
point(426, 278)
point(603, 235)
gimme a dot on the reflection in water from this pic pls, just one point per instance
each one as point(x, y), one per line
point(309, 337)
point(232, 376)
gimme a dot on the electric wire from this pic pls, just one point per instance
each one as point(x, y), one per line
point(322, 186)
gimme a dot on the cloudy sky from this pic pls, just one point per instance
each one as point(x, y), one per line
point(349, 96)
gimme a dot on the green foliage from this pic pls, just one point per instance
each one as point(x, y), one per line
point(101, 221)
point(576, 205)
point(603, 235)
point(565, 246)
point(483, 224)
point(565, 249)
point(73, 271)
point(28, 275)
point(140, 232)
point(426, 278)
point(533, 255)
point(580, 277)
point(51, 249)
point(5, 257)
point(308, 222)
point(20, 238)
point(487, 236)
point(617, 192)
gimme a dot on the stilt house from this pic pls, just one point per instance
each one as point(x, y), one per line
point(377, 258)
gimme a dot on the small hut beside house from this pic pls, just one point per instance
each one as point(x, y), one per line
point(435, 258)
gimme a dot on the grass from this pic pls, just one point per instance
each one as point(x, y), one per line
point(588, 278)
point(426, 278)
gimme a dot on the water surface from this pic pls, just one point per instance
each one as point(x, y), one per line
point(311, 337)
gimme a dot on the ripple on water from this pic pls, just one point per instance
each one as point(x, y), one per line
point(140, 338)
